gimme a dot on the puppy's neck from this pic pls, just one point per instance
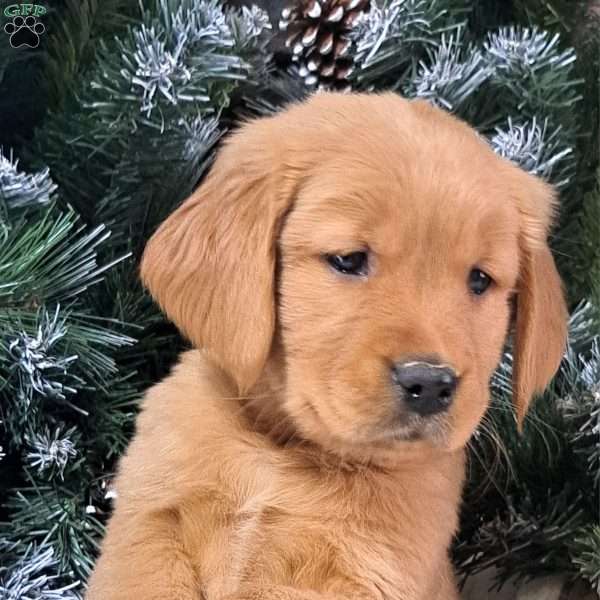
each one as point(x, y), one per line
point(263, 409)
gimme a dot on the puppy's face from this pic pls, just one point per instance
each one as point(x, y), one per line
point(380, 242)
point(394, 298)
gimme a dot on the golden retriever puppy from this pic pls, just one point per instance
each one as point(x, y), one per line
point(346, 272)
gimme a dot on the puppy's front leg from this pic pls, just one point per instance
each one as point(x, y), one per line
point(448, 589)
point(143, 558)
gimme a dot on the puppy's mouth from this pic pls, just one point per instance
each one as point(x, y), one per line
point(413, 428)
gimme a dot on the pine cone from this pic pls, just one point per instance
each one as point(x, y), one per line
point(317, 34)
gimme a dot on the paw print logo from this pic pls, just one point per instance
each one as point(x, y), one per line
point(24, 31)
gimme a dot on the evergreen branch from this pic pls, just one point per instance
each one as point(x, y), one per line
point(19, 190)
point(524, 542)
point(48, 258)
point(50, 453)
point(37, 366)
point(157, 90)
point(182, 52)
point(583, 329)
point(531, 73)
point(536, 150)
point(74, 31)
point(392, 35)
point(55, 516)
point(563, 16)
point(33, 575)
point(50, 358)
point(586, 555)
point(580, 404)
point(447, 78)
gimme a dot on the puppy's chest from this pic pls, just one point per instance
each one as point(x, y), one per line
point(260, 542)
point(306, 533)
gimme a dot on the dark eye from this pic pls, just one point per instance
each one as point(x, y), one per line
point(354, 263)
point(479, 281)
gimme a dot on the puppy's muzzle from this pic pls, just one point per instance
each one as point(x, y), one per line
point(424, 387)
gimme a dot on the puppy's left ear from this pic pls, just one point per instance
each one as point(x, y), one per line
point(541, 319)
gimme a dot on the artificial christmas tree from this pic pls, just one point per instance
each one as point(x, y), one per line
point(115, 119)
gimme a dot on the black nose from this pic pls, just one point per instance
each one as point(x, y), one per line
point(427, 388)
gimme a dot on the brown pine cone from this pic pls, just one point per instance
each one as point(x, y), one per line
point(317, 35)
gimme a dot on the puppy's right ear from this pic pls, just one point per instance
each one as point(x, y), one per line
point(211, 264)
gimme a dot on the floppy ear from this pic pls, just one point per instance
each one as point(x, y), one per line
point(541, 319)
point(211, 264)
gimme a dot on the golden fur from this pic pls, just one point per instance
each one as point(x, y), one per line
point(266, 467)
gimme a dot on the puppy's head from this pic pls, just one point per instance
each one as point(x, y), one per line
point(379, 242)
